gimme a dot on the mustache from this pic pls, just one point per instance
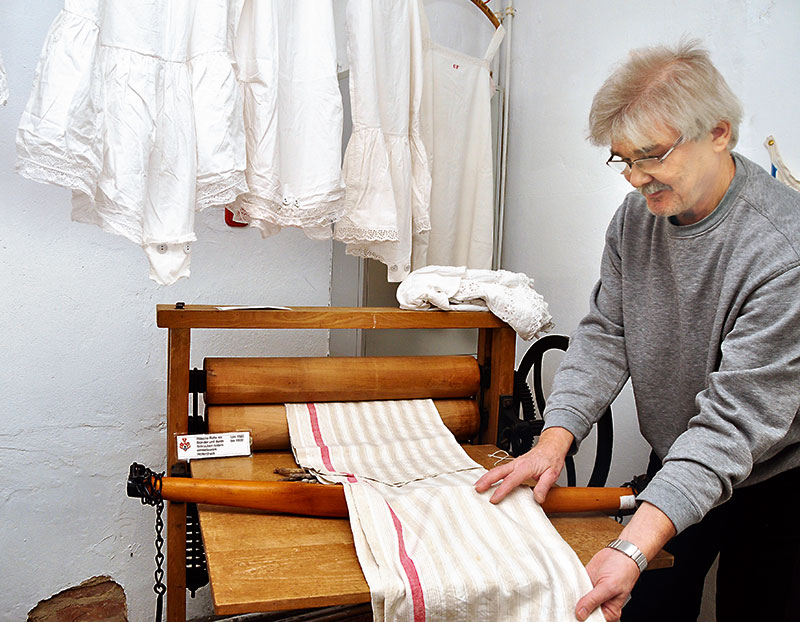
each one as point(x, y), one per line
point(653, 186)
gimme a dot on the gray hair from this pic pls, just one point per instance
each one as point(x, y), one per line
point(660, 88)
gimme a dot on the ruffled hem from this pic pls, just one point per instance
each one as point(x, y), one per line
point(350, 234)
point(321, 210)
point(373, 162)
point(56, 171)
point(222, 192)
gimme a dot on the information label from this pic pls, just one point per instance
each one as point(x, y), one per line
point(195, 446)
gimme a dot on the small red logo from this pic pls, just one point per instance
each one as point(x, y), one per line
point(185, 444)
point(455, 66)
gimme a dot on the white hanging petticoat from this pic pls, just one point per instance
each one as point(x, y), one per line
point(136, 108)
point(457, 133)
point(385, 166)
point(430, 546)
point(286, 61)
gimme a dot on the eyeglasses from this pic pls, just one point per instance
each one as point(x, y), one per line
point(647, 165)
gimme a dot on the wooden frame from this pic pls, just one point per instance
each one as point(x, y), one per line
point(496, 350)
point(586, 533)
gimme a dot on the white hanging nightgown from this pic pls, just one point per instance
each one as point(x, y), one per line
point(457, 133)
point(136, 108)
point(286, 61)
point(385, 165)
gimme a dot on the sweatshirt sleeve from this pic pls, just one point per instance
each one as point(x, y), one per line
point(595, 366)
point(745, 415)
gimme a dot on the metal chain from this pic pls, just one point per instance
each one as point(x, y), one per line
point(159, 588)
point(150, 489)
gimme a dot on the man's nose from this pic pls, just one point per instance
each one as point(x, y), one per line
point(636, 177)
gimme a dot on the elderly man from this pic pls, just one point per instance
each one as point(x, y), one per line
point(698, 303)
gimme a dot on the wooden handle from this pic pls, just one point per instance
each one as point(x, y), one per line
point(586, 499)
point(278, 497)
point(328, 501)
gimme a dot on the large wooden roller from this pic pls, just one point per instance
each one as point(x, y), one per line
point(338, 379)
point(269, 430)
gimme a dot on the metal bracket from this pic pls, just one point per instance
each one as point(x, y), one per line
point(197, 385)
point(515, 435)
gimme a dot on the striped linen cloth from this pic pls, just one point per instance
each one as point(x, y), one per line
point(431, 548)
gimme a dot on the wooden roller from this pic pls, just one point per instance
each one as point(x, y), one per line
point(329, 501)
point(269, 430)
point(338, 379)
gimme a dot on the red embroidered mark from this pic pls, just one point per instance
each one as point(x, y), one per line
point(455, 66)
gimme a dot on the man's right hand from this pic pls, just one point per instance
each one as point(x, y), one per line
point(542, 463)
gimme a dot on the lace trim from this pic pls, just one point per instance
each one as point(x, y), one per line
point(222, 192)
point(57, 171)
point(421, 225)
point(359, 251)
point(319, 214)
point(351, 234)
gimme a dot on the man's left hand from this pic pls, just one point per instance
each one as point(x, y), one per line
point(613, 575)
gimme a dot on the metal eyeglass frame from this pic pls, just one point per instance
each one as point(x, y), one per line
point(614, 164)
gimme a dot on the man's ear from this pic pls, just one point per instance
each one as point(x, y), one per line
point(721, 136)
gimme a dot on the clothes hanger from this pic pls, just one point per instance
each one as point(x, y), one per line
point(481, 4)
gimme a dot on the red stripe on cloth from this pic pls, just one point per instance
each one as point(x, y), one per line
point(417, 597)
point(323, 448)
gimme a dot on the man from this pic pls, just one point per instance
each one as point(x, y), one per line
point(698, 303)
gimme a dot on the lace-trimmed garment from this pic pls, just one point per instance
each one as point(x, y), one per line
point(135, 107)
point(509, 295)
point(385, 165)
point(286, 58)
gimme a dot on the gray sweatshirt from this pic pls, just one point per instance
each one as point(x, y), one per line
point(705, 320)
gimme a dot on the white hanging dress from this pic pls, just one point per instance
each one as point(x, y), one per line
point(286, 61)
point(136, 108)
point(457, 134)
point(385, 165)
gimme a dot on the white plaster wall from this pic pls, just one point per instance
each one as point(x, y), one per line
point(82, 376)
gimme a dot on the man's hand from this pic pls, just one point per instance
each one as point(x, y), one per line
point(542, 463)
point(613, 573)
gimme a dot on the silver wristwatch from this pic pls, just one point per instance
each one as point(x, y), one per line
point(631, 550)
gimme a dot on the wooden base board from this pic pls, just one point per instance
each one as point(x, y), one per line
point(262, 562)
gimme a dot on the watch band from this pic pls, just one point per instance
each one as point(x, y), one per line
point(631, 550)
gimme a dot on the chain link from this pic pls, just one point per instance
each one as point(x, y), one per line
point(160, 587)
point(150, 489)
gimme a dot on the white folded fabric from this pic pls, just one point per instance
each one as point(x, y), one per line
point(509, 295)
point(432, 548)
